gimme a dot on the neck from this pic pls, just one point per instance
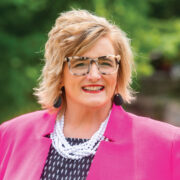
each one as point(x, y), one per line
point(83, 122)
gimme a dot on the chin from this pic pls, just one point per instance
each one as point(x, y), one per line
point(96, 103)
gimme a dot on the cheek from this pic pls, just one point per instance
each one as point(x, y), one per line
point(68, 79)
point(72, 85)
point(114, 80)
point(112, 84)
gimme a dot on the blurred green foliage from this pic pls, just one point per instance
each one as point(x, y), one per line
point(152, 25)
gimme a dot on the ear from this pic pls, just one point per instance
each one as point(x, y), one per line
point(61, 79)
point(61, 84)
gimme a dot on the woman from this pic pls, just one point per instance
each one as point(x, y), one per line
point(84, 133)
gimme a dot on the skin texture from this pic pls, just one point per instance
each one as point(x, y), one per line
point(85, 111)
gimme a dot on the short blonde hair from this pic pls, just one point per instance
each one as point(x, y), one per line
point(73, 34)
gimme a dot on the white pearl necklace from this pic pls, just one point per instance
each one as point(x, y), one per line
point(79, 151)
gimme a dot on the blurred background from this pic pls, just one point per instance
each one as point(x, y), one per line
point(152, 25)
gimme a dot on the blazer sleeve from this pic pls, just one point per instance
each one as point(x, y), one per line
point(1, 146)
point(1, 154)
point(3, 150)
point(176, 156)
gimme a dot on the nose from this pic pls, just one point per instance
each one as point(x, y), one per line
point(94, 74)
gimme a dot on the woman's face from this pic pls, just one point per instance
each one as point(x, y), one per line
point(84, 90)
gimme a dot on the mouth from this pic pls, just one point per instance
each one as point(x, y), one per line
point(93, 88)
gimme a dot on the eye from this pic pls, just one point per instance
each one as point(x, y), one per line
point(79, 65)
point(106, 62)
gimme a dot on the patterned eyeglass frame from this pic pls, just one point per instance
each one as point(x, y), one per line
point(95, 60)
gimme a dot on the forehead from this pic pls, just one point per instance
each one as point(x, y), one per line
point(102, 47)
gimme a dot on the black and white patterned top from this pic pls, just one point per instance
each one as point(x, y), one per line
point(60, 168)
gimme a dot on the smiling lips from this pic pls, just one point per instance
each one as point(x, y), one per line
point(93, 88)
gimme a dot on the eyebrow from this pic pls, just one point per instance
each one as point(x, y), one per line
point(86, 58)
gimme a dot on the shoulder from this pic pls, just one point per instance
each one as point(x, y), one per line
point(145, 126)
point(25, 119)
point(23, 122)
point(151, 123)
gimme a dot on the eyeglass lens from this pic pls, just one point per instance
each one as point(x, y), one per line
point(81, 66)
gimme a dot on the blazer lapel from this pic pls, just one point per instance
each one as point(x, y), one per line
point(114, 159)
point(38, 150)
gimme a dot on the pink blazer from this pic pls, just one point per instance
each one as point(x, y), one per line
point(139, 148)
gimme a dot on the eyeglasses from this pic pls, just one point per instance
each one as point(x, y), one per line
point(80, 66)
